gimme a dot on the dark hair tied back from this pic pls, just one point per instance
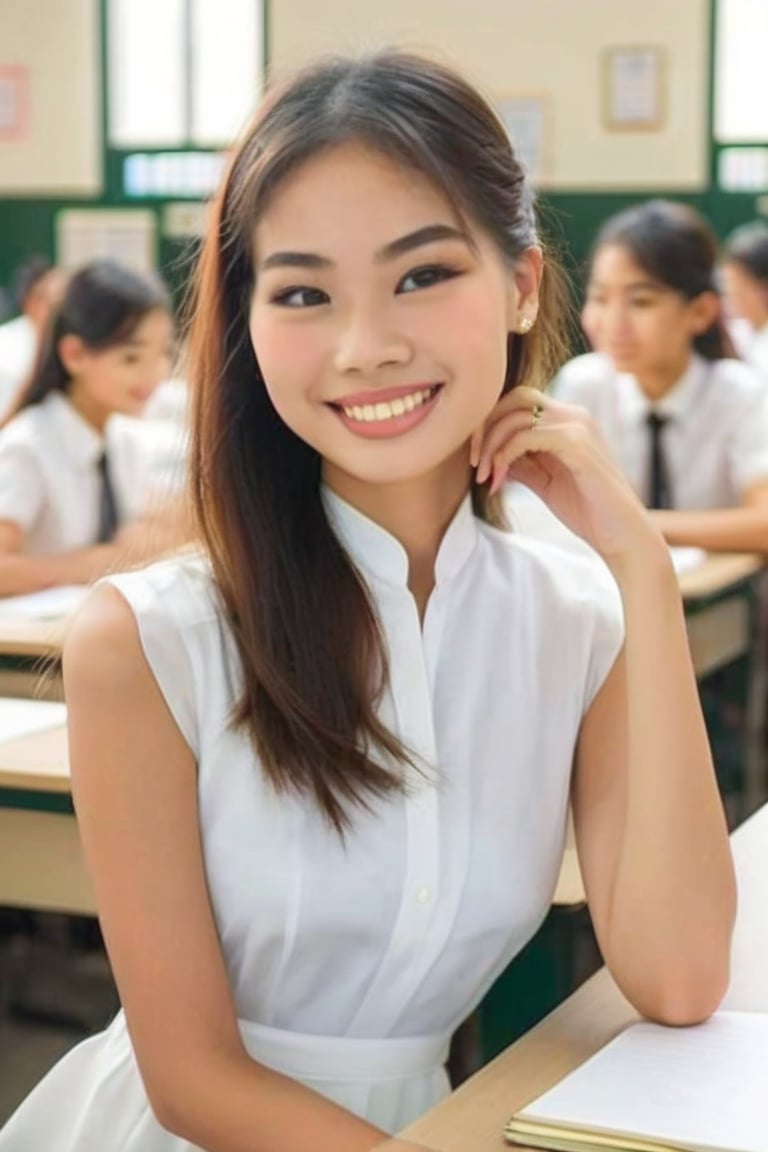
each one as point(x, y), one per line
point(103, 305)
point(676, 247)
point(748, 246)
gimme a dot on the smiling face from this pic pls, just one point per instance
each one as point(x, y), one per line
point(644, 326)
point(379, 322)
point(120, 378)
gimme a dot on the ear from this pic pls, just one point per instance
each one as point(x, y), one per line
point(73, 353)
point(703, 311)
point(523, 295)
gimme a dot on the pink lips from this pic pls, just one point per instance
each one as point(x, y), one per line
point(375, 395)
point(396, 425)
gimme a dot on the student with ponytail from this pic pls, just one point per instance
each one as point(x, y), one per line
point(686, 422)
point(75, 476)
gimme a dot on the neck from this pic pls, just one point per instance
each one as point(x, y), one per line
point(657, 382)
point(93, 413)
point(416, 512)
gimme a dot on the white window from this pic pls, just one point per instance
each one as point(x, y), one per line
point(741, 76)
point(182, 72)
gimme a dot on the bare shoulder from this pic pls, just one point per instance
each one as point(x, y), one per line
point(102, 644)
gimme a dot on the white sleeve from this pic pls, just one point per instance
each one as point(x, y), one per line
point(22, 486)
point(748, 444)
point(582, 381)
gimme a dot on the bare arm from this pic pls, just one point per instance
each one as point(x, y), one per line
point(650, 830)
point(134, 784)
point(21, 572)
point(742, 529)
point(649, 824)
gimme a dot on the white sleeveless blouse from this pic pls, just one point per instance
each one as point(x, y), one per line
point(351, 965)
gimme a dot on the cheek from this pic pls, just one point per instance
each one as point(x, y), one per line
point(590, 321)
point(471, 336)
point(290, 358)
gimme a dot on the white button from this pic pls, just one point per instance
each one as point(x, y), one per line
point(423, 895)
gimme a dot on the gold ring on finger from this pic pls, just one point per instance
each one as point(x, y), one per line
point(536, 413)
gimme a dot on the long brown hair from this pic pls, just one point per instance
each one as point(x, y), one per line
point(674, 244)
point(313, 658)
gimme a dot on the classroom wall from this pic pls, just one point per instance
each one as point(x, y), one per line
point(57, 150)
point(549, 48)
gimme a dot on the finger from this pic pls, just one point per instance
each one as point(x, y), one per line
point(497, 435)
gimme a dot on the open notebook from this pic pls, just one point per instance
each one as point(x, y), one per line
point(657, 1089)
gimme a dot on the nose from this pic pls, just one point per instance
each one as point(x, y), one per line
point(607, 322)
point(369, 340)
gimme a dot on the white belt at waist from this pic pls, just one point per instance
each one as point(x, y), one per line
point(304, 1056)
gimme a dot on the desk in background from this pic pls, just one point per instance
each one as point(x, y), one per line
point(27, 649)
point(716, 596)
point(473, 1117)
point(41, 862)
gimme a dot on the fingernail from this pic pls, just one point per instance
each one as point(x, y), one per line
point(482, 472)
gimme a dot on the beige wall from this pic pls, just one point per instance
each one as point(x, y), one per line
point(550, 48)
point(57, 41)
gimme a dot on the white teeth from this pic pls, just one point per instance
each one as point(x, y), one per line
point(382, 410)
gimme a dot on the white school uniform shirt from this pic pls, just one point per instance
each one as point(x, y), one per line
point(18, 346)
point(716, 441)
point(49, 480)
point(752, 346)
point(351, 965)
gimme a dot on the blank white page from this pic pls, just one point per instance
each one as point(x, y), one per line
point(704, 1087)
point(22, 717)
point(47, 605)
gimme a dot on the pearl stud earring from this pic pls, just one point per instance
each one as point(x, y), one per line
point(525, 325)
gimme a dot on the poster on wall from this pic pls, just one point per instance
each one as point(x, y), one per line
point(633, 89)
point(14, 102)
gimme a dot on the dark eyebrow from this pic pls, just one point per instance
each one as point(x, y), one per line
point(420, 237)
point(399, 247)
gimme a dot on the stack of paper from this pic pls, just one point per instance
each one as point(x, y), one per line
point(656, 1089)
point(23, 717)
point(47, 605)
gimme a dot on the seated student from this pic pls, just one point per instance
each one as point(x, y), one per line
point(322, 772)
point(38, 288)
point(75, 473)
point(745, 282)
point(686, 422)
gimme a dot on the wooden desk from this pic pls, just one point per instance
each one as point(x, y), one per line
point(41, 862)
point(27, 648)
point(472, 1119)
point(719, 609)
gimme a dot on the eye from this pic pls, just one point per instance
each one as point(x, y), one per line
point(642, 301)
point(298, 297)
point(426, 277)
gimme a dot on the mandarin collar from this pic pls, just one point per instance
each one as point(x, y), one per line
point(377, 553)
point(677, 402)
point(78, 438)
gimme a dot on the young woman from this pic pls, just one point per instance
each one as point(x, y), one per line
point(686, 423)
point(745, 280)
point(76, 482)
point(322, 774)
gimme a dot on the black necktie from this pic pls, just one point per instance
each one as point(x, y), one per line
point(659, 490)
point(108, 517)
